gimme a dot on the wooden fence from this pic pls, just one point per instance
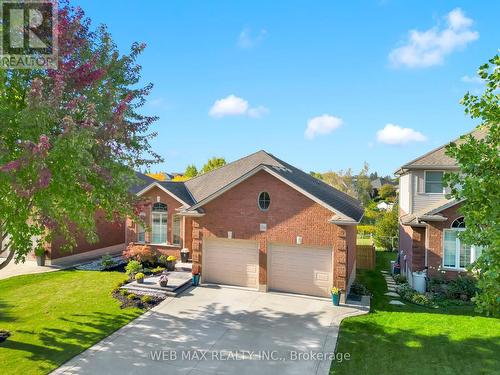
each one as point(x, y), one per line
point(365, 257)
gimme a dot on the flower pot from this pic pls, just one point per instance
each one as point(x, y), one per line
point(164, 284)
point(196, 280)
point(140, 281)
point(171, 265)
point(40, 260)
point(336, 299)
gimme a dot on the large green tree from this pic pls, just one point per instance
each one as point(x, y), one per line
point(213, 163)
point(70, 139)
point(478, 185)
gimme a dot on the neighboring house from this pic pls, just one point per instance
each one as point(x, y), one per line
point(377, 183)
point(385, 206)
point(257, 222)
point(111, 237)
point(429, 222)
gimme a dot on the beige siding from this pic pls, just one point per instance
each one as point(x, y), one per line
point(421, 200)
point(404, 193)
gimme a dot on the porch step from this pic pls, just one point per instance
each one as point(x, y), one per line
point(163, 292)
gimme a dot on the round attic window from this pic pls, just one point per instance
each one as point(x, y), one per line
point(264, 200)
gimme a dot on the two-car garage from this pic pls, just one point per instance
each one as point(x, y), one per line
point(293, 269)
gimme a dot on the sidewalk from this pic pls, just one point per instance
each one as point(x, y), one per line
point(25, 268)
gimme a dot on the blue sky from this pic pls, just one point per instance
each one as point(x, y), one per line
point(323, 85)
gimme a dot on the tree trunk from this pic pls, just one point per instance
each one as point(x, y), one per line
point(4, 262)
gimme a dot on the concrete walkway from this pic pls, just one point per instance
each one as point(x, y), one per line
point(221, 330)
point(28, 267)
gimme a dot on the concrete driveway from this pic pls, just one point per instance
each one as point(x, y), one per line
point(221, 330)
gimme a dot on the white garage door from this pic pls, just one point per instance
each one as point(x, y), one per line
point(232, 262)
point(299, 269)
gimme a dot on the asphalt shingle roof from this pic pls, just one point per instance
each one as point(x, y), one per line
point(142, 182)
point(203, 186)
point(179, 190)
point(437, 158)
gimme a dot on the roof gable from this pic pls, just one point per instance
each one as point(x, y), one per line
point(208, 186)
point(437, 158)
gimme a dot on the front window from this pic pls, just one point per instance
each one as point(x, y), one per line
point(434, 182)
point(159, 223)
point(140, 233)
point(457, 254)
point(176, 230)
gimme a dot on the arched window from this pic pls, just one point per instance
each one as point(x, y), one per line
point(456, 253)
point(159, 223)
point(458, 223)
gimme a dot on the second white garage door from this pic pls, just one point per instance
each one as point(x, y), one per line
point(298, 269)
point(232, 262)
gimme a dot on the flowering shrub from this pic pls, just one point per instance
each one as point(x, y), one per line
point(171, 258)
point(335, 290)
point(133, 267)
point(409, 294)
point(141, 253)
point(139, 276)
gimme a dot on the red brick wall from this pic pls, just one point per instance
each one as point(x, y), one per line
point(171, 203)
point(435, 242)
point(110, 234)
point(418, 249)
point(290, 214)
point(405, 243)
point(351, 232)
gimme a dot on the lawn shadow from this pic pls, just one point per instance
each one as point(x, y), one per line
point(58, 345)
point(472, 355)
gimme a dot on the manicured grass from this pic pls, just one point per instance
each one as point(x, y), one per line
point(416, 340)
point(54, 316)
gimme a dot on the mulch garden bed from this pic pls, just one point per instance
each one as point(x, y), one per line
point(128, 299)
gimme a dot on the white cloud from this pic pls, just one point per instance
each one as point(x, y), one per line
point(247, 39)
point(322, 125)
point(396, 135)
point(233, 105)
point(474, 80)
point(257, 112)
point(430, 47)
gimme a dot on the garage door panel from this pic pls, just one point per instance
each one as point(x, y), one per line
point(231, 262)
point(299, 269)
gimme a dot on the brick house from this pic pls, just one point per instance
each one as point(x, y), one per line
point(429, 222)
point(111, 237)
point(258, 223)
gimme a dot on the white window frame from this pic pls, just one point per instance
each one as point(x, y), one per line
point(425, 182)
point(473, 251)
point(162, 215)
point(174, 218)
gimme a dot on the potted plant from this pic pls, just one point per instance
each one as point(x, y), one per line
point(171, 263)
point(40, 256)
point(132, 268)
point(163, 281)
point(335, 296)
point(139, 277)
point(196, 275)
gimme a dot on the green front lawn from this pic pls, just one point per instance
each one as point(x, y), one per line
point(54, 316)
point(416, 340)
